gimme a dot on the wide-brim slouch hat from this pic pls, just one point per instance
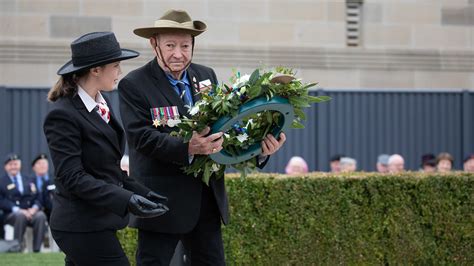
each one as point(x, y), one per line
point(171, 22)
point(95, 49)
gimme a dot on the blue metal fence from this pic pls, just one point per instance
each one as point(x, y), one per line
point(359, 124)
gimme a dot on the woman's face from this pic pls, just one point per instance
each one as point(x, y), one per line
point(108, 76)
point(444, 166)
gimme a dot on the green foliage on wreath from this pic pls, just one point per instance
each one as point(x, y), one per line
point(224, 100)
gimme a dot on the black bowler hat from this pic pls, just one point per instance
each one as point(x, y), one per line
point(11, 157)
point(39, 157)
point(95, 49)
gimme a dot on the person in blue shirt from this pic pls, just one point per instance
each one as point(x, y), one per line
point(19, 201)
point(44, 184)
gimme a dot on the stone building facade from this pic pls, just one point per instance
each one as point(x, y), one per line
point(407, 44)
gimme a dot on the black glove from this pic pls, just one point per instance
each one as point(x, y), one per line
point(156, 198)
point(144, 208)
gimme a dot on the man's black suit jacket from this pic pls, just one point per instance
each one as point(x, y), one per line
point(86, 153)
point(10, 196)
point(156, 158)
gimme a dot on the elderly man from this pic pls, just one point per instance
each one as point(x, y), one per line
point(396, 164)
point(19, 201)
point(44, 184)
point(348, 165)
point(469, 163)
point(170, 83)
point(382, 163)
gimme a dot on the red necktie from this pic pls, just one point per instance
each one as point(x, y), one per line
point(103, 111)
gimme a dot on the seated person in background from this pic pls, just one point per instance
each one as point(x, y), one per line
point(348, 165)
point(382, 163)
point(334, 163)
point(296, 165)
point(19, 201)
point(396, 164)
point(428, 163)
point(469, 163)
point(444, 162)
point(44, 184)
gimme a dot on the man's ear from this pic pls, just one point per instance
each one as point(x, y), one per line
point(153, 45)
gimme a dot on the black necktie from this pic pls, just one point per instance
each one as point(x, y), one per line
point(183, 94)
point(15, 181)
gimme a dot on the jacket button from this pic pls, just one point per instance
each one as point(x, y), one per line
point(120, 184)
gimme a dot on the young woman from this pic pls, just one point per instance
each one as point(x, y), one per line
point(93, 195)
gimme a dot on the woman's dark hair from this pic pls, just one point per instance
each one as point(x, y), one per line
point(66, 85)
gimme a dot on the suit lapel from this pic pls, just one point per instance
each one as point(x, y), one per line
point(194, 81)
point(118, 129)
point(97, 122)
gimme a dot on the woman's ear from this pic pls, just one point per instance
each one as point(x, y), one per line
point(95, 71)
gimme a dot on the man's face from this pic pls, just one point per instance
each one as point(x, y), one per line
point(176, 49)
point(444, 166)
point(41, 167)
point(469, 166)
point(429, 168)
point(382, 168)
point(335, 166)
point(13, 167)
point(396, 166)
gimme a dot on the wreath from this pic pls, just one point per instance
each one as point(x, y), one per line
point(267, 101)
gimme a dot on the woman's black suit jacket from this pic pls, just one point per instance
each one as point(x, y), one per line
point(92, 192)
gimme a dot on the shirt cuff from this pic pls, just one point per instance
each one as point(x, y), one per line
point(261, 159)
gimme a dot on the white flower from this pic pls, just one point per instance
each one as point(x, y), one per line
point(241, 81)
point(215, 167)
point(194, 110)
point(242, 137)
point(249, 122)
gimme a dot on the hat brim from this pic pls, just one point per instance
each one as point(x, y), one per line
point(199, 27)
point(69, 68)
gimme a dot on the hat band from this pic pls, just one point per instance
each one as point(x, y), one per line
point(163, 23)
point(90, 59)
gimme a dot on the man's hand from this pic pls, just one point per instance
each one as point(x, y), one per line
point(27, 214)
point(32, 211)
point(200, 144)
point(270, 144)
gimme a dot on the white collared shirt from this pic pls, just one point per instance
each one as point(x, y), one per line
point(87, 99)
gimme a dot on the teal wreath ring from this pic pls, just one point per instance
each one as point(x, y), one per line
point(277, 104)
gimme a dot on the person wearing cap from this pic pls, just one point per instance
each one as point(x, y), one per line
point(20, 202)
point(469, 163)
point(93, 195)
point(382, 163)
point(44, 184)
point(428, 163)
point(170, 83)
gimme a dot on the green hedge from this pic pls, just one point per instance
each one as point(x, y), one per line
point(369, 219)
